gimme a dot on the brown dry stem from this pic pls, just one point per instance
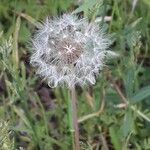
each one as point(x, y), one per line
point(95, 114)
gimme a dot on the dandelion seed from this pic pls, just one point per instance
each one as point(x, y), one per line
point(69, 51)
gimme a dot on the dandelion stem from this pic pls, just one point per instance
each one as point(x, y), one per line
point(73, 120)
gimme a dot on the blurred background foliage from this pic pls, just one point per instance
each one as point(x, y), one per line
point(113, 115)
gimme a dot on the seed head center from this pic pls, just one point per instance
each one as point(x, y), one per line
point(69, 50)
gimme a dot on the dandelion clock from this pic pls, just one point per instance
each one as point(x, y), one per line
point(68, 51)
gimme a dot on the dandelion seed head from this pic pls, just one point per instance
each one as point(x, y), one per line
point(69, 51)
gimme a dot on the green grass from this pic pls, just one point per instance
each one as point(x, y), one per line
point(114, 114)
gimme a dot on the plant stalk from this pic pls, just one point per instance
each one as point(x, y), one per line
point(73, 119)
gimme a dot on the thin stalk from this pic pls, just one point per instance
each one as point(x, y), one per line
point(73, 121)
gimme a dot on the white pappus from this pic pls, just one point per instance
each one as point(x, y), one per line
point(69, 51)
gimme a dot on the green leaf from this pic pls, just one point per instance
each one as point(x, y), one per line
point(127, 125)
point(147, 2)
point(141, 95)
point(88, 4)
point(129, 81)
point(115, 138)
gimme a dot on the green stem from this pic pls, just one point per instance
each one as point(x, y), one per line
point(140, 113)
point(73, 122)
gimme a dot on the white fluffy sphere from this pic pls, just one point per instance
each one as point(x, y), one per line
point(69, 51)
